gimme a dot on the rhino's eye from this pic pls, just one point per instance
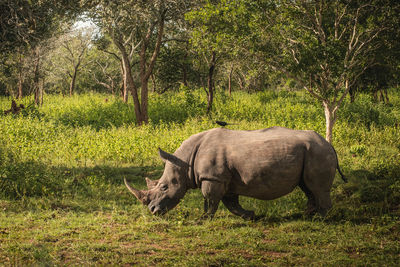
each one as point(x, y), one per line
point(164, 187)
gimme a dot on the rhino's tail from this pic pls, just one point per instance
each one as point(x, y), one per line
point(338, 168)
point(341, 174)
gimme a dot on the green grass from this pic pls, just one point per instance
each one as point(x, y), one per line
point(63, 202)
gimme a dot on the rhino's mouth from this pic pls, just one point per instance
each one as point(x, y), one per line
point(157, 210)
point(163, 206)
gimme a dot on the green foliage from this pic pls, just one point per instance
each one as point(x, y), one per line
point(358, 149)
point(175, 64)
point(368, 114)
point(62, 198)
point(26, 23)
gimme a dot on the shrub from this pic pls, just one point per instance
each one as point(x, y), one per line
point(358, 150)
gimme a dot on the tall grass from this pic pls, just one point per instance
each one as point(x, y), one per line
point(99, 130)
point(62, 164)
point(91, 130)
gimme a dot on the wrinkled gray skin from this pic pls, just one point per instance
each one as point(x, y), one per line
point(263, 164)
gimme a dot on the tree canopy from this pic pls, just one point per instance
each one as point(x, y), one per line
point(26, 23)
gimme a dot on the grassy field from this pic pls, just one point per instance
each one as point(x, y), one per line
point(63, 202)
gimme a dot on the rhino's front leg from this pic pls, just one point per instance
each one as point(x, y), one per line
point(231, 202)
point(212, 192)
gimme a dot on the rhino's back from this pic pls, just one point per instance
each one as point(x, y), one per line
point(265, 164)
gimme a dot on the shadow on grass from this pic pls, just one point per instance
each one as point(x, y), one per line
point(22, 180)
point(278, 219)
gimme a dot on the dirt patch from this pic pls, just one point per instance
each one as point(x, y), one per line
point(276, 254)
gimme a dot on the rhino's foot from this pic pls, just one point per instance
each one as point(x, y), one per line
point(313, 212)
point(310, 211)
point(248, 215)
point(206, 216)
point(231, 202)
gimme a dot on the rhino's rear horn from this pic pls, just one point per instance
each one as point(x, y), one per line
point(139, 194)
point(151, 183)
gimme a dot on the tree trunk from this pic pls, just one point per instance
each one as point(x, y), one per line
point(41, 91)
point(184, 68)
point(144, 100)
point(386, 95)
point(112, 85)
point(330, 119)
point(36, 77)
point(131, 87)
point(128, 82)
point(230, 81)
point(352, 93)
point(72, 84)
point(146, 70)
point(124, 92)
point(210, 83)
point(20, 77)
point(241, 83)
point(153, 81)
point(125, 86)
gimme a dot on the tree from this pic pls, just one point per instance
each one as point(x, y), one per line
point(220, 36)
point(382, 74)
point(209, 40)
point(137, 29)
point(66, 59)
point(107, 76)
point(27, 23)
point(22, 72)
point(325, 46)
point(111, 65)
point(75, 49)
point(25, 27)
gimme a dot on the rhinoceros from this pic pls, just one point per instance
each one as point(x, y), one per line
point(225, 164)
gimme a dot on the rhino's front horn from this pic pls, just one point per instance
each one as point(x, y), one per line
point(139, 194)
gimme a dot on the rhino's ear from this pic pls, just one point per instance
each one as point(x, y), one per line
point(165, 156)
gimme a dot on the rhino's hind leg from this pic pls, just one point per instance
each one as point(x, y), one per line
point(319, 199)
point(231, 202)
point(318, 178)
point(324, 202)
point(311, 205)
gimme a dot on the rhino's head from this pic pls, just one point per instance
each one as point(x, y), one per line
point(165, 193)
